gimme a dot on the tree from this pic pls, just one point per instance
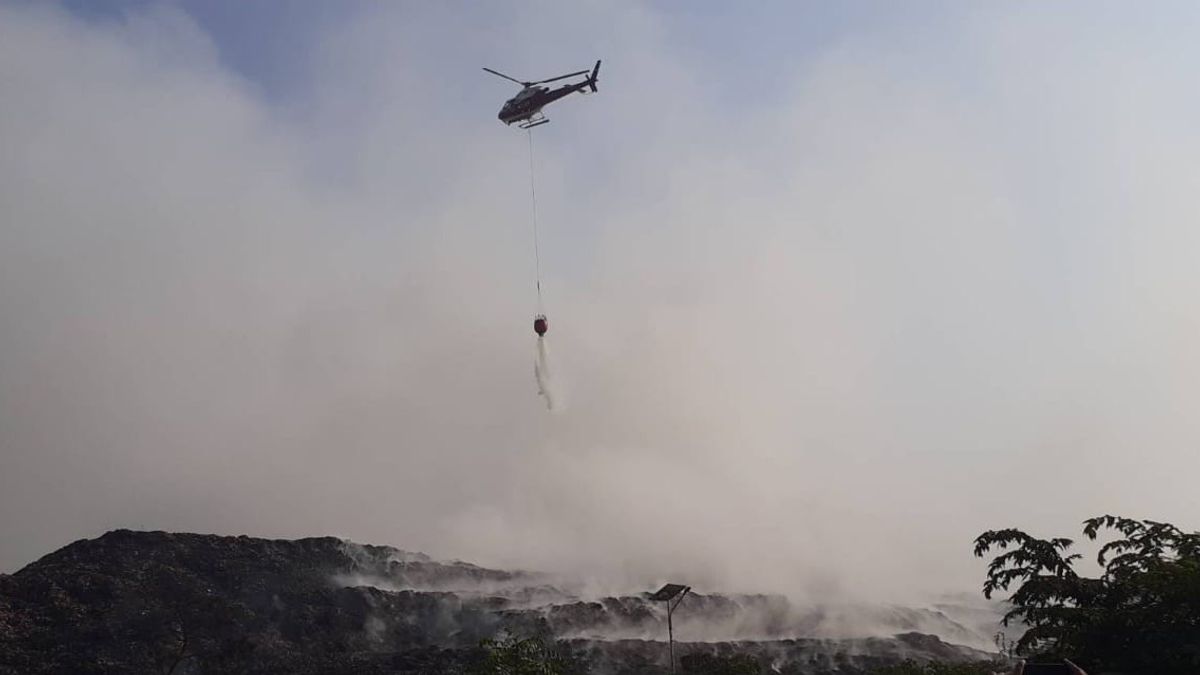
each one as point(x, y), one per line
point(1142, 614)
point(911, 667)
point(711, 664)
point(516, 656)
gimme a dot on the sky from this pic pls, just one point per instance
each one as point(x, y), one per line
point(833, 288)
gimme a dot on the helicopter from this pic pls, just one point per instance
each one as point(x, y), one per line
point(526, 106)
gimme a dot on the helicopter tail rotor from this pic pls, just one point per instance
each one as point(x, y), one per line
point(591, 81)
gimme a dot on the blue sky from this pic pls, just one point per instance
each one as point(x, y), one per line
point(263, 42)
point(743, 47)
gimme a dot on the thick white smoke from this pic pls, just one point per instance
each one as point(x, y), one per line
point(819, 334)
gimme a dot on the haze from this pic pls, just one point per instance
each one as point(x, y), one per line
point(832, 289)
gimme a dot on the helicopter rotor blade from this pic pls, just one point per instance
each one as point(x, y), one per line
point(563, 77)
point(495, 72)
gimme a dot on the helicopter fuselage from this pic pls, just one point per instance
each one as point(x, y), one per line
point(526, 106)
point(530, 101)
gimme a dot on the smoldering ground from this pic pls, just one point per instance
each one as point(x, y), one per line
point(818, 340)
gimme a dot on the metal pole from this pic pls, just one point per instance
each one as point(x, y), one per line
point(671, 636)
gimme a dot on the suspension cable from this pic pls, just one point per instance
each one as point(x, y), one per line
point(537, 256)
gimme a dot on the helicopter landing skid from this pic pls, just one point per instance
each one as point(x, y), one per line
point(532, 122)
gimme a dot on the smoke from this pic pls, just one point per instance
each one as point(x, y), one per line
point(572, 610)
point(923, 280)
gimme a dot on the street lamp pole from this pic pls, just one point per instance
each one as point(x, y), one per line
point(670, 638)
point(671, 595)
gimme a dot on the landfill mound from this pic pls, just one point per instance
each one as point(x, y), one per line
point(143, 602)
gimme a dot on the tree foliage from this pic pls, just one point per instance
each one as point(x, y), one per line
point(521, 656)
point(911, 667)
point(711, 664)
point(1141, 615)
